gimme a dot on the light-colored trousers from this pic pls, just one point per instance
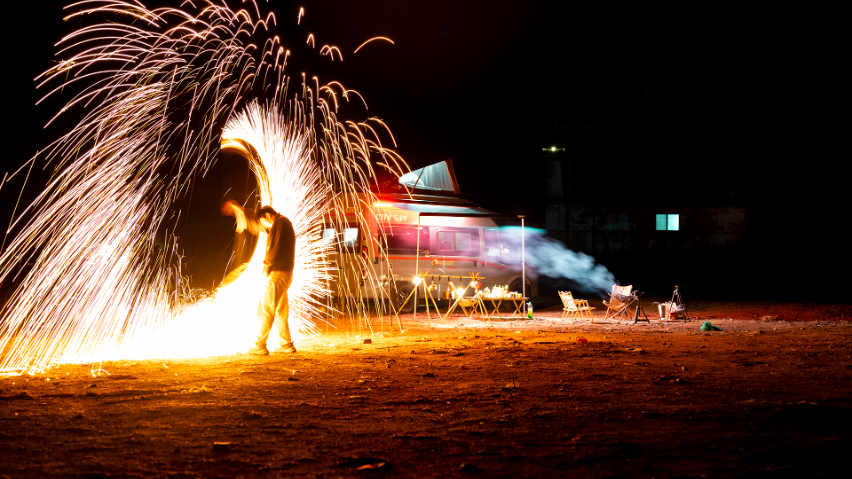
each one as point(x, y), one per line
point(274, 303)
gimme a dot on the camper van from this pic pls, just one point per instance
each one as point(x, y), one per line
point(445, 239)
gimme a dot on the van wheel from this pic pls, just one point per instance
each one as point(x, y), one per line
point(402, 292)
point(516, 287)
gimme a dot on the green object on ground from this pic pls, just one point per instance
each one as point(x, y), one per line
point(709, 327)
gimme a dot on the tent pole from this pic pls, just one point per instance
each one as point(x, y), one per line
point(417, 260)
point(523, 265)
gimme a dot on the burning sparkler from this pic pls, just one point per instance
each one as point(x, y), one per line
point(154, 85)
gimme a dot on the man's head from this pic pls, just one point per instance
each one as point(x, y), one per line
point(266, 215)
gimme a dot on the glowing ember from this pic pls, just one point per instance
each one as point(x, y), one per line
point(154, 87)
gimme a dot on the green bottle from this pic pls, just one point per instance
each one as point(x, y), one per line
point(529, 310)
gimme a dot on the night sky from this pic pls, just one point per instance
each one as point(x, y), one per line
point(749, 98)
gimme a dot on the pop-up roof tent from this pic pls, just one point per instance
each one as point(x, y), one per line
point(437, 194)
point(438, 177)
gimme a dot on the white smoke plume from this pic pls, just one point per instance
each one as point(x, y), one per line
point(551, 258)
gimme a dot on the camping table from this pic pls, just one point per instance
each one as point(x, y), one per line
point(517, 302)
point(495, 303)
point(469, 305)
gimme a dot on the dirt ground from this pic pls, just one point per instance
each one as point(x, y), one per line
point(769, 395)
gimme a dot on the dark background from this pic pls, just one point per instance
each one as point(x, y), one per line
point(747, 104)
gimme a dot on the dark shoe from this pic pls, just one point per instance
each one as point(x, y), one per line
point(287, 349)
point(256, 351)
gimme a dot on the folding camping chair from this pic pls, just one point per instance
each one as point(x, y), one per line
point(575, 307)
point(619, 301)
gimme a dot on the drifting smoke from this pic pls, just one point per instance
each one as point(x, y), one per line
point(552, 259)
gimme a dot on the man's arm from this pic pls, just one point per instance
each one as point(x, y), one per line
point(246, 217)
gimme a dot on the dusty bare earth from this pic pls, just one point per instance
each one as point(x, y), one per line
point(770, 395)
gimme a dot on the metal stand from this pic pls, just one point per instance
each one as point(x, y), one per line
point(677, 300)
point(639, 308)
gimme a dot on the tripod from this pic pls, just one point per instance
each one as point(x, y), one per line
point(636, 319)
point(677, 301)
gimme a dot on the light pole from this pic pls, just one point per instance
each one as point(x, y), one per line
point(523, 265)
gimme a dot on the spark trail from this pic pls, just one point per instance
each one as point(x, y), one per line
point(153, 87)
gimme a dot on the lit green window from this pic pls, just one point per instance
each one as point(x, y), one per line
point(674, 222)
point(668, 222)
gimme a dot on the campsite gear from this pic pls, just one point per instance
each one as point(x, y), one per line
point(678, 306)
point(709, 327)
point(663, 309)
point(636, 316)
point(620, 301)
point(636, 319)
point(529, 310)
point(575, 307)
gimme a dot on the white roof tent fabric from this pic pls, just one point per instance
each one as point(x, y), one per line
point(435, 177)
point(444, 210)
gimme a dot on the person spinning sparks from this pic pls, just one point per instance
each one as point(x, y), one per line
point(245, 238)
point(278, 268)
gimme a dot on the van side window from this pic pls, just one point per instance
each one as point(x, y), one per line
point(403, 239)
point(461, 242)
point(350, 237)
point(497, 246)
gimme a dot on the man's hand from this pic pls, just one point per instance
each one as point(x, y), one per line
point(229, 208)
point(232, 208)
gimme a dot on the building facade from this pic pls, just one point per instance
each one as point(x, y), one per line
point(647, 212)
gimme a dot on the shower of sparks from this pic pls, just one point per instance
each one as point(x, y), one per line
point(155, 87)
point(372, 39)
